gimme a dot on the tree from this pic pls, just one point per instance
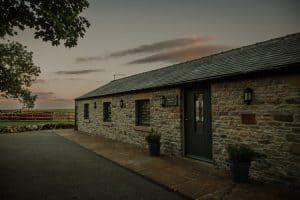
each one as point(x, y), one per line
point(53, 21)
point(17, 71)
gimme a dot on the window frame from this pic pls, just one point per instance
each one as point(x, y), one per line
point(86, 111)
point(138, 120)
point(107, 113)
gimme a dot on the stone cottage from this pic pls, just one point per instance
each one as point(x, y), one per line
point(248, 95)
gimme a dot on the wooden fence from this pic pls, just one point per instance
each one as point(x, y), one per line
point(36, 115)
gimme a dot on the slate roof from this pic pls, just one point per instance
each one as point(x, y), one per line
point(268, 55)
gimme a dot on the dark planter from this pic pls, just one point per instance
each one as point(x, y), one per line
point(240, 171)
point(154, 148)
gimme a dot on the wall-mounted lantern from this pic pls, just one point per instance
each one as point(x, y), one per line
point(95, 105)
point(121, 103)
point(248, 96)
point(163, 101)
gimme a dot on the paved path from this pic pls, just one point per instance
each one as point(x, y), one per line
point(197, 180)
point(42, 165)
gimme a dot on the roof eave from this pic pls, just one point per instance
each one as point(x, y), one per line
point(176, 84)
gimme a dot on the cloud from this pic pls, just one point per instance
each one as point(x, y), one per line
point(45, 95)
point(181, 54)
point(158, 46)
point(90, 58)
point(55, 104)
point(76, 72)
point(149, 48)
point(73, 79)
point(48, 95)
point(56, 80)
point(46, 99)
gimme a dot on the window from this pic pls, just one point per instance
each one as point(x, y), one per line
point(142, 108)
point(106, 111)
point(86, 111)
point(199, 108)
point(95, 105)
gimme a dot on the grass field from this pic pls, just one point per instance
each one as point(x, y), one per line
point(57, 110)
point(31, 121)
point(5, 123)
point(50, 110)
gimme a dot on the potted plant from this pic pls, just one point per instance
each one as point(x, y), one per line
point(240, 157)
point(153, 140)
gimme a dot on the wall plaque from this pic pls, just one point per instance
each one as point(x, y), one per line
point(171, 101)
point(248, 119)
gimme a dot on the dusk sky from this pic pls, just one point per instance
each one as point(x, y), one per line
point(129, 37)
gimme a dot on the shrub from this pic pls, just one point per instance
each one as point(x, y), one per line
point(240, 153)
point(48, 126)
point(153, 137)
point(23, 128)
point(60, 125)
point(64, 126)
point(69, 126)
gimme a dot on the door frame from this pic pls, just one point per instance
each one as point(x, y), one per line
point(195, 86)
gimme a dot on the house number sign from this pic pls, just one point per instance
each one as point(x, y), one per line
point(171, 101)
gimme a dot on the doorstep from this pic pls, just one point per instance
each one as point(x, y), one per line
point(193, 179)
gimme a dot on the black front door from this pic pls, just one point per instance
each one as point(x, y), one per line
point(197, 118)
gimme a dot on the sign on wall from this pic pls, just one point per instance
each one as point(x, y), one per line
point(171, 101)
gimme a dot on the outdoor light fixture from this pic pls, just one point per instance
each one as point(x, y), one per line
point(163, 101)
point(95, 105)
point(121, 103)
point(248, 95)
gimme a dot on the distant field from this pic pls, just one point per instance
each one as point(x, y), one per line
point(5, 123)
point(57, 110)
point(47, 110)
point(42, 114)
point(36, 117)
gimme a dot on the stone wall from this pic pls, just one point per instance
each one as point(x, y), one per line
point(163, 120)
point(270, 125)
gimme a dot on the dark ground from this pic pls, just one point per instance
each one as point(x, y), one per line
point(43, 165)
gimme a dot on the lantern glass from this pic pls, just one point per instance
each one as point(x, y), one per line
point(162, 101)
point(248, 95)
point(121, 103)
